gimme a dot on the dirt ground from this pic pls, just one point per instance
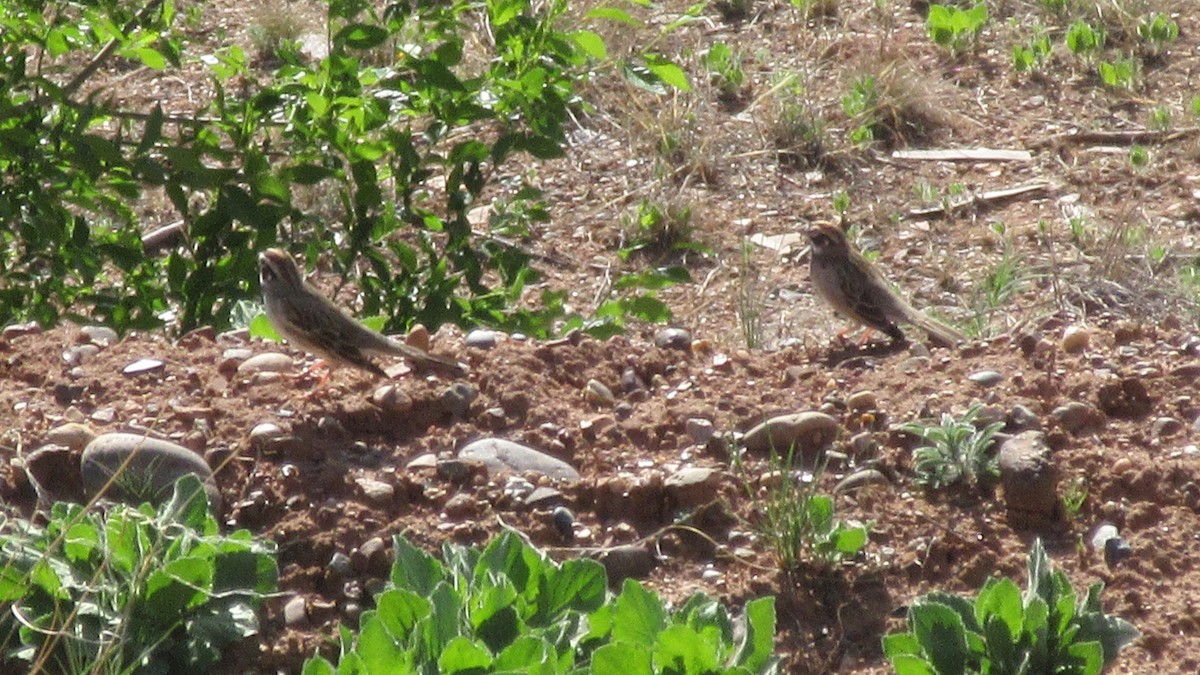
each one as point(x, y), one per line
point(1098, 243)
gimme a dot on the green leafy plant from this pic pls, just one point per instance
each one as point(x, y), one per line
point(133, 590)
point(797, 133)
point(1074, 496)
point(509, 608)
point(1156, 31)
point(1032, 55)
point(725, 69)
point(797, 522)
point(1121, 73)
point(954, 450)
point(1000, 284)
point(1139, 156)
point(1083, 40)
point(1048, 629)
point(955, 28)
point(861, 106)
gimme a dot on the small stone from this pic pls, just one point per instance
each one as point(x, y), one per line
point(710, 575)
point(626, 562)
point(268, 362)
point(481, 339)
point(17, 330)
point(517, 488)
point(371, 557)
point(809, 433)
point(1075, 339)
point(457, 399)
point(72, 435)
point(376, 491)
point(262, 434)
point(103, 415)
point(499, 455)
point(425, 461)
point(143, 366)
point(101, 336)
point(673, 338)
point(54, 474)
point(596, 392)
point(79, 354)
point(1165, 426)
point(1116, 550)
point(985, 378)
point(861, 401)
point(1102, 534)
point(699, 430)
point(542, 496)
point(860, 479)
point(148, 468)
point(391, 398)
point(295, 612)
point(418, 336)
point(564, 523)
point(693, 486)
point(1076, 417)
point(631, 381)
point(339, 564)
point(460, 506)
point(1021, 418)
point(1030, 477)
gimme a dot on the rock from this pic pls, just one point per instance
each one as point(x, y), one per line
point(673, 338)
point(1076, 417)
point(627, 562)
point(339, 565)
point(542, 496)
point(295, 612)
point(376, 491)
point(860, 479)
point(597, 392)
point(460, 506)
point(1075, 339)
point(1102, 534)
point(1021, 418)
point(1116, 549)
point(1165, 426)
point(418, 336)
point(142, 366)
point(148, 469)
point(985, 378)
point(52, 471)
point(499, 455)
point(1030, 478)
point(699, 430)
point(862, 401)
point(809, 433)
point(481, 339)
point(564, 523)
point(79, 354)
point(268, 362)
point(72, 435)
point(457, 399)
point(264, 433)
point(17, 330)
point(631, 381)
point(371, 558)
point(424, 461)
point(693, 486)
point(101, 336)
point(391, 398)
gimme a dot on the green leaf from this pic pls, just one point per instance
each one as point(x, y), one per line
point(640, 615)
point(758, 642)
point(681, 649)
point(668, 72)
point(150, 58)
point(1000, 599)
point(414, 570)
point(613, 14)
point(399, 610)
point(591, 44)
point(361, 36)
point(260, 327)
point(942, 635)
point(179, 585)
point(461, 654)
point(622, 658)
point(379, 650)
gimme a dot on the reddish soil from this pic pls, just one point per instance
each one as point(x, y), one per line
point(1103, 244)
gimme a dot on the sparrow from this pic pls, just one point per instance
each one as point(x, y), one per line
point(855, 289)
point(312, 322)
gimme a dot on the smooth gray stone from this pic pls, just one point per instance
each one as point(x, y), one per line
point(148, 468)
point(499, 455)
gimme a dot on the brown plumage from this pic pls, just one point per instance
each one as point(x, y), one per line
point(856, 290)
point(312, 322)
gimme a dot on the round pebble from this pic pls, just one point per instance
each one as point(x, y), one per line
point(143, 366)
point(418, 336)
point(699, 430)
point(564, 522)
point(392, 398)
point(268, 362)
point(597, 392)
point(102, 336)
point(861, 400)
point(673, 338)
point(72, 435)
point(144, 462)
point(1075, 339)
point(985, 378)
point(481, 339)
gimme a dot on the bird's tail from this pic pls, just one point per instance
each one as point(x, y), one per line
point(937, 331)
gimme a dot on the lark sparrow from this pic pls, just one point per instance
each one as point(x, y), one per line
point(311, 321)
point(855, 289)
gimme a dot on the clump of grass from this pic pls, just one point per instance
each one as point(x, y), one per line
point(274, 33)
point(888, 102)
point(796, 132)
point(659, 228)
